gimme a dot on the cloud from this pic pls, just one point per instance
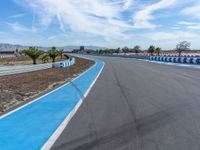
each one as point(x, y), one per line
point(98, 17)
point(109, 21)
point(128, 4)
point(143, 17)
point(193, 11)
point(160, 36)
point(17, 15)
point(19, 28)
point(195, 27)
point(186, 23)
point(190, 25)
point(176, 27)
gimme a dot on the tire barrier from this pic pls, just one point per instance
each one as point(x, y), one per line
point(64, 64)
point(187, 60)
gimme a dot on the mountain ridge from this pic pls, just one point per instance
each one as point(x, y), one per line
point(13, 47)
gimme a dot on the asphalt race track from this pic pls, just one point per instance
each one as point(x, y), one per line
point(137, 105)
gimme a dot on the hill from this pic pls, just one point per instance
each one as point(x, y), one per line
point(13, 47)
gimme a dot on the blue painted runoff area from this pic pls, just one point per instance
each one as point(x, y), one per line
point(30, 127)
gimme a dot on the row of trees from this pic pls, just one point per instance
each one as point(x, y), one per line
point(34, 53)
point(180, 47)
point(135, 49)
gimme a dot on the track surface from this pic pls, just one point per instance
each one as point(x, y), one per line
point(137, 105)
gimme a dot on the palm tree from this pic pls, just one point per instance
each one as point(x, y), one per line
point(33, 53)
point(45, 58)
point(151, 49)
point(61, 52)
point(158, 50)
point(53, 53)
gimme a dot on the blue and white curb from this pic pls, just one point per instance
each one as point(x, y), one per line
point(39, 123)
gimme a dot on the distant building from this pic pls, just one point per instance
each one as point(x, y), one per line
point(82, 48)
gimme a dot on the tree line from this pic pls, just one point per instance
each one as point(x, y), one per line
point(136, 49)
point(180, 47)
point(34, 53)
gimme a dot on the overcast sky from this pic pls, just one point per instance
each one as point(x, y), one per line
point(109, 23)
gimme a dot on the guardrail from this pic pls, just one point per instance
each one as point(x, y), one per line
point(8, 70)
point(7, 56)
point(123, 56)
point(187, 60)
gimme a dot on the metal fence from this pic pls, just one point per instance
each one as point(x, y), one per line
point(8, 70)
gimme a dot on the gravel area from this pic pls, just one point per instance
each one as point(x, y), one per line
point(20, 88)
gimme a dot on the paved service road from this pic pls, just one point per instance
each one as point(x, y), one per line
point(137, 105)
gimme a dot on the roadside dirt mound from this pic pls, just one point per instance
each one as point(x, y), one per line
point(19, 88)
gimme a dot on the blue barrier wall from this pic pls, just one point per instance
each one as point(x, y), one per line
point(188, 60)
point(64, 64)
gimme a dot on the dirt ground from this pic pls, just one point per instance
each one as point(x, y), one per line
point(16, 89)
point(22, 60)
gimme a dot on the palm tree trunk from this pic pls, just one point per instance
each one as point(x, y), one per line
point(34, 61)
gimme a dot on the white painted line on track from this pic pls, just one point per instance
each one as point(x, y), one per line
point(62, 126)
